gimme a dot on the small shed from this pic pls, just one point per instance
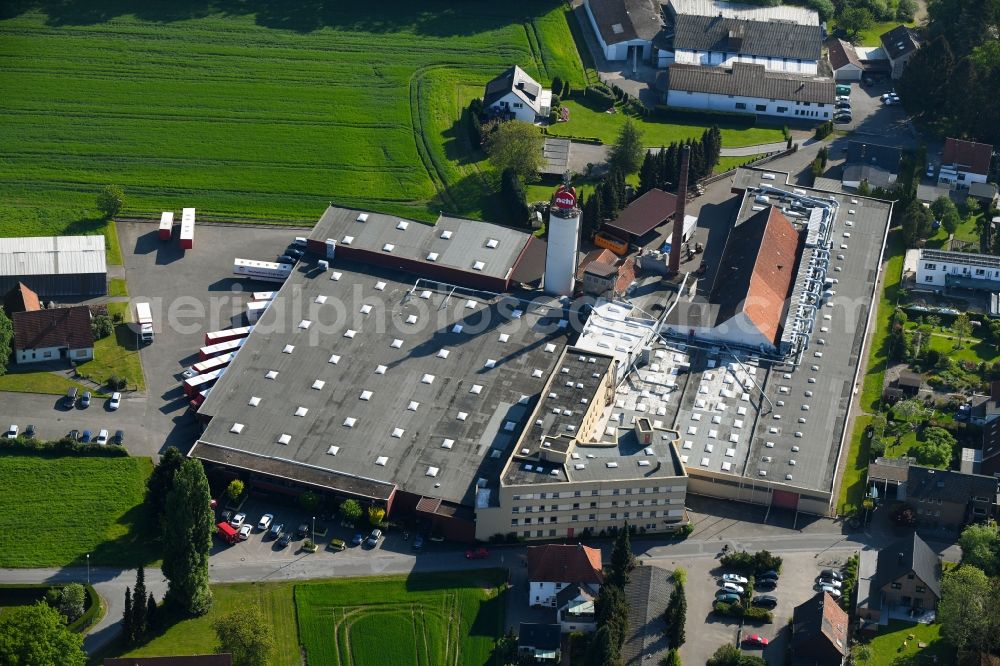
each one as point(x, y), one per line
point(909, 383)
point(643, 215)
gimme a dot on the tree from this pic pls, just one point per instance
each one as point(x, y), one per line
point(727, 655)
point(187, 539)
point(936, 449)
point(127, 631)
point(962, 328)
point(376, 515)
point(102, 326)
point(910, 411)
point(350, 510)
point(603, 650)
point(235, 489)
point(518, 146)
point(673, 658)
point(981, 547)
point(139, 621)
point(246, 635)
point(627, 152)
point(972, 206)
point(309, 500)
point(150, 612)
point(611, 612)
point(676, 616)
point(514, 197)
point(916, 222)
point(110, 200)
point(37, 636)
point(942, 205)
point(71, 601)
point(965, 609)
point(950, 222)
point(622, 559)
point(6, 336)
point(854, 21)
point(162, 480)
point(647, 173)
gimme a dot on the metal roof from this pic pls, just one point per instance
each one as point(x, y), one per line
point(750, 80)
point(773, 39)
point(52, 255)
point(800, 15)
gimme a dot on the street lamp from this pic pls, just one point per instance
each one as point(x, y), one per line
point(314, 531)
point(88, 568)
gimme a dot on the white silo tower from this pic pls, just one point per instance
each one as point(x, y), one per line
point(563, 243)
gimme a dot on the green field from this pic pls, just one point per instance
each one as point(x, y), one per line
point(36, 381)
point(887, 647)
point(421, 619)
point(55, 510)
point(267, 110)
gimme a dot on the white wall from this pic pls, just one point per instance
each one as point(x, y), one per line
point(932, 273)
point(597, 33)
point(46, 354)
point(725, 103)
point(720, 59)
point(511, 102)
point(543, 593)
point(848, 72)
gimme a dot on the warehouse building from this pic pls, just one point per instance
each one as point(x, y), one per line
point(55, 266)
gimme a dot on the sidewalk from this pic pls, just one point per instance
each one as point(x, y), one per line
point(746, 151)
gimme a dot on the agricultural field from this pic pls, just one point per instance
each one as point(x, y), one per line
point(268, 115)
point(421, 619)
point(70, 506)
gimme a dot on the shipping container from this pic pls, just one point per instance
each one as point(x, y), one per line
point(199, 400)
point(195, 385)
point(262, 270)
point(263, 295)
point(214, 363)
point(215, 337)
point(144, 318)
point(609, 242)
point(255, 309)
point(187, 229)
point(211, 351)
point(166, 225)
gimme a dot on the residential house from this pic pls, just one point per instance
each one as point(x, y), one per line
point(750, 89)
point(819, 632)
point(540, 642)
point(899, 45)
point(628, 30)
point(948, 498)
point(20, 299)
point(517, 95)
point(602, 272)
point(51, 335)
point(872, 163)
point(844, 60)
point(224, 659)
point(899, 581)
point(718, 41)
point(575, 609)
point(964, 163)
point(555, 566)
point(965, 270)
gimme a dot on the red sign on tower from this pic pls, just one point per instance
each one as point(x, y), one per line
point(565, 198)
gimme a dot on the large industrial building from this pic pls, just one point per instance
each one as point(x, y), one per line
point(55, 266)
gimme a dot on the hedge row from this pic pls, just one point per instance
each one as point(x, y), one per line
point(61, 447)
point(90, 615)
point(753, 613)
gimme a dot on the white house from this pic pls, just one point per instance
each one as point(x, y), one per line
point(575, 606)
point(717, 41)
point(964, 163)
point(516, 93)
point(939, 268)
point(627, 29)
point(53, 335)
point(553, 567)
point(750, 89)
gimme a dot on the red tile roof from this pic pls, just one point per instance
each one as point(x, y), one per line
point(968, 155)
point(58, 327)
point(645, 213)
point(842, 54)
point(193, 660)
point(21, 299)
point(600, 256)
point(556, 563)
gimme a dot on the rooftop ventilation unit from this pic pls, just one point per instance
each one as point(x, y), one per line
point(396, 344)
point(350, 421)
point(380, 286)
point(388, 247)
point(397, 433)
point(334, 359)
point(271, 374)
point(381, 460)
point(237, 428)
point(432, 256)
point(446, 234)
point(447, 444)
point(284, 438)
point(443, 353)
point(402, 224)
point(254, 401)
point(366, 395)
point(301, 411)
point(318, 384)
point(363, 217)
point(333, 450)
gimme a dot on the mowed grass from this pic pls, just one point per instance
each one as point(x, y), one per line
point(268, 115)
point(26, 380)
point(55, 510)
point(420, 619)
point(887, 647)
point(115, 355)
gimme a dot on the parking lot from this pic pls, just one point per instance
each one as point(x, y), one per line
point(797, 584)
point(871, 118)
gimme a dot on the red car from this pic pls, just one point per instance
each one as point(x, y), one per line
point(477, 554)
point(755, 640)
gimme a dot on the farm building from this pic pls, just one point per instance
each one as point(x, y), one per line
point(750, 89)
point(746, 12)
point(628, 30)
point(53, 335)
point(20, 299)
point(516, 94)
point(899, 44)
point(55, 266)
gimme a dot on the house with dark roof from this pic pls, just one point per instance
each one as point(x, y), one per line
point(899, 45)
point(540, 642)
point(51, 335)
point(899, 581)
point(964, 162)
point(844, 60)
point(20, 299)
point(628, 29)
point(949, 498)
point(872, 163)
point(575, 609)
point(751, 89)
point(718, 41)
point(555, 566)
point(819, 632)
point(516, 95)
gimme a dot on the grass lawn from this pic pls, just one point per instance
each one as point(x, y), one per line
point(966, 231)
point(870, 37)
point(256, 111)
point(421, 619)
point(973, 348)
point(887, 647)
point(117, 287)
point(55, 510)
point(115, 355)
point(586, 122)
point(36, 381)
point(852, 486)
point(727, 163)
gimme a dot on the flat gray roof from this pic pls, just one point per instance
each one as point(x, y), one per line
point(389, 390)
point(52, 255)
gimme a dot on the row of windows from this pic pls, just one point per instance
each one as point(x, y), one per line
point(595, 493)
point(982, 272)
point(527, 534)
point(595, 505)
point(528, 520)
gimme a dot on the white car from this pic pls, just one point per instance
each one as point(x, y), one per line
point(102, 437)
point(733, 587)
point(115, 402)
point(238, 520)
point(831, 582)
point(832, 591)
point(265, 522)
point(843, 98)
point(733, 578)
point(12, 431)
point(244, 533)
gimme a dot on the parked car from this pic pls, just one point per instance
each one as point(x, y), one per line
point(285, 259)
point(294, 253)
point(831, 573)
point(115, 402)
point(733, 587)
point(29, 432)
point(238, 520)
point(843, 105)
point(85, 400)
point(86, 437)
point(102, 437)
point(766, 584)
point(734, 578)
point(284, 540)
point(832, 582)
point(765, 601)
point(74, 435)
point(728, 598)
point(843, 98)
point(755, 640)
point(119, 438)
point(265, 522)
point(772, 574)
point(842, 118)
point(418, 542)
point(70, 399)
point(832, 591)
point(244, 533)
point(357, 539)
point(277, 529)
point(477, 554)
point(12, 431)
point(891, 101)
point(298, 241)
point(373, 538)
point(303, 531)
point(843, 90)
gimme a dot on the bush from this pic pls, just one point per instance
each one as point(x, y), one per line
point(556, 101)
point(102, 326)
point(350, 510)
point(309, 500)
point(235, 489)
point(61, 447)
point(375, 515)
point(557, 87)
point(71, 601)
point(752, 613)
point(824, 130)
point(685, 531)
point(116, 382)
point(751, 564)
point(110, 200)
point(601, 95)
